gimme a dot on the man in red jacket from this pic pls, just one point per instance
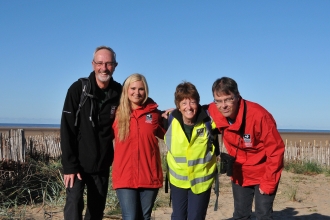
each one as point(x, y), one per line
point(253, 142)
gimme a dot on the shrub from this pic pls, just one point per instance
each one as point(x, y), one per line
point(303, 168)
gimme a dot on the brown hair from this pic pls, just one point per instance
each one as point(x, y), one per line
point(226, 86)
point(185, 90)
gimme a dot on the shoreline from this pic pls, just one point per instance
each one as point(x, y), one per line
point(287, 136)
point(32, 131)
point(305, 137)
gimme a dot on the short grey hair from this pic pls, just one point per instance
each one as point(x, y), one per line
point(109, 49)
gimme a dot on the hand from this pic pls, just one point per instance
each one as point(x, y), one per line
point(168, 111)
point(69, 179)
point(261, 192)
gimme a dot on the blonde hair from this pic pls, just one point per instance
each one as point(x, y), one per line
point(124, 110)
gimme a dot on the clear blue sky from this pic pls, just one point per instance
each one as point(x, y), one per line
point(277, 51)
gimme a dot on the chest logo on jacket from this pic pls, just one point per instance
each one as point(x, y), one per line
point(247, 140)
point(149, 118)
point(200, 132)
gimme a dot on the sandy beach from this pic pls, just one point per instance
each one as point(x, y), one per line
point(301, 137)
point(304, 197)
point(311, 198)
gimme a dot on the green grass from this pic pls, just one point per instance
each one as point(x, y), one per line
point(307, 168)
point(36, 182)
point(292, 193)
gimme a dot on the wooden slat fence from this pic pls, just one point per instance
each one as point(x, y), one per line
point(318, 152)
point(14, 146)
point(48, 145)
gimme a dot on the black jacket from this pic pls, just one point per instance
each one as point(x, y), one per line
point(84, 147)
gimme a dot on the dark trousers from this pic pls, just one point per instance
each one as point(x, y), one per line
point(243, 199)
point(97, 188)
point(187, 205)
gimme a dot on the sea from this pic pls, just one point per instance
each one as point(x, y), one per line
point(18, 125)
point(22, 125)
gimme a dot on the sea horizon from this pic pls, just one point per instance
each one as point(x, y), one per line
point(29, 125)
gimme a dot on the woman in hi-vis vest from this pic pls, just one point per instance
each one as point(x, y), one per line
point(137, 172)
point(191, 155)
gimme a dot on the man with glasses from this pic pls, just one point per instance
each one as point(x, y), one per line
point(87, 149)
point(252, 140)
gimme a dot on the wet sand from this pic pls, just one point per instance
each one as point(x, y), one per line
point(32, 131)
point(305, 137)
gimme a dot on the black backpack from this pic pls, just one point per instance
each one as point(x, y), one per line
point(86, 88)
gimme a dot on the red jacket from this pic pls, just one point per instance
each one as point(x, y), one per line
point(259, 153)
point(137, 162)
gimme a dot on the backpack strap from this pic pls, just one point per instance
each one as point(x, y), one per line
point(208, 125)
point(216, 174)
point(86, 88)
point(242, 128)
point(169, 121)
point(216, 190)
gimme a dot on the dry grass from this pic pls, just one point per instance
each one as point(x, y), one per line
point(36, 191)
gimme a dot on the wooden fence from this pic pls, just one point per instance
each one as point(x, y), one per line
point(318, 152)
point(14, 146)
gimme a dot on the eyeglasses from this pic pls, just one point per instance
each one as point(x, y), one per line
point(108, 64)
point(227, 101)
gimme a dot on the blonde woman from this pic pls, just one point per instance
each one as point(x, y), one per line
point(137, 173)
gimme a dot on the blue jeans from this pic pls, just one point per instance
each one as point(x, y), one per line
point(97, 188)
point(186, 204)
point(136, 204)
point(243, 199)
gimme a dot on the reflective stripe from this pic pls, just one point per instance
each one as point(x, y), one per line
point(206, 159)
point(180, 159)
point(177, 176)
point(168, 137)
point(202, 179)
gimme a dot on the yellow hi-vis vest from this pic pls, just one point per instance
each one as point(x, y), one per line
point(190, 165)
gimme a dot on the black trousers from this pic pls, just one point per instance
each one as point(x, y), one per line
point(243, 199)
point(97, 188)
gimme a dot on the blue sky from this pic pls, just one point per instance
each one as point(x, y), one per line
point(277, 51)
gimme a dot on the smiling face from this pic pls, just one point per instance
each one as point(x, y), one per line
point(188, 109)
point(136, 94)
point(103, 66)
point(227, 105)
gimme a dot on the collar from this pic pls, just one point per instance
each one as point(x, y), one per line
point(221, 121)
